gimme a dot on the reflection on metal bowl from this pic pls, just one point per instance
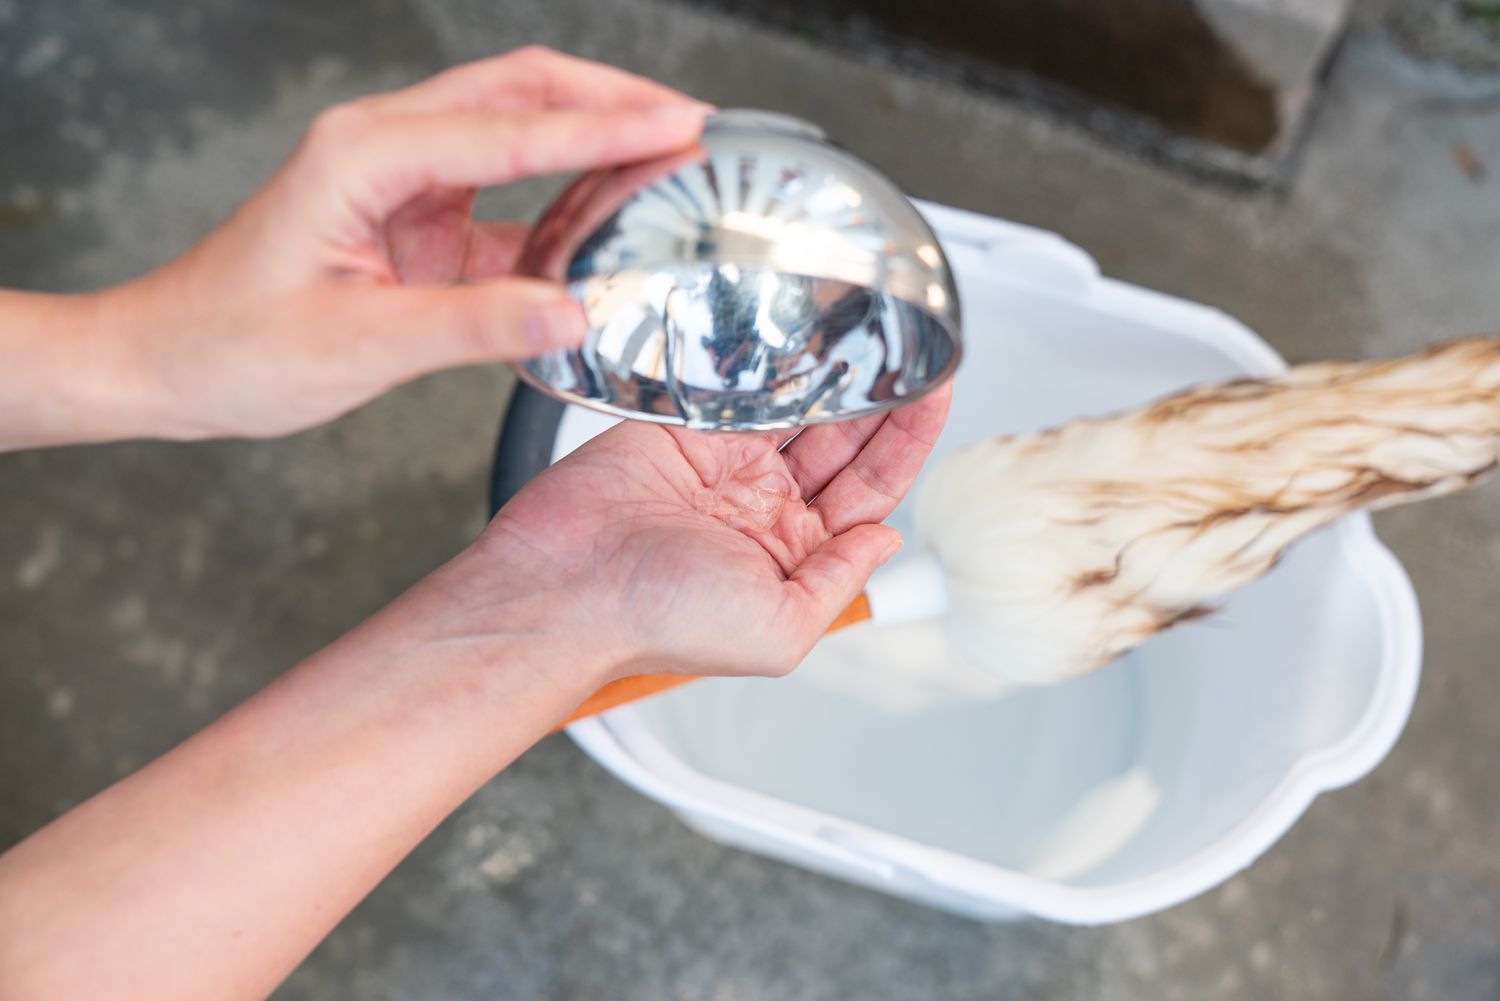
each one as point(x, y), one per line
point(764, 279)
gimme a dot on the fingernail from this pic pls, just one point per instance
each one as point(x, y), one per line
point(559, 323)
point(680, 112)
point(891, 550)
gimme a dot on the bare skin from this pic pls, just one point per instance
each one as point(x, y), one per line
point(215, 869)
point(357, 267)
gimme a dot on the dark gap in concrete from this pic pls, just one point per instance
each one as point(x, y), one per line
point(1157, 59)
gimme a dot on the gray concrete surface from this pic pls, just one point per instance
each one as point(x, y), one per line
point(1463, 33)
point(145, 588)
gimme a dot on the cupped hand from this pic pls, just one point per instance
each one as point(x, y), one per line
point(712, 553)
point(358, 266)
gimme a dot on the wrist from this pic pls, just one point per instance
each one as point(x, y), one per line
point(119, 385)
point(132, 377)
point(132, 325)
point(503, 630)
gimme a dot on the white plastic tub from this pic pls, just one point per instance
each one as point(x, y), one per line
point(1092, 801)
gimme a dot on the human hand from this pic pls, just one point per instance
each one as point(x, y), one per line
point(710, 553)
point(358, 266)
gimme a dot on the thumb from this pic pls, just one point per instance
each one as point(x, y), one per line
point(833, 574)
point(422, 329)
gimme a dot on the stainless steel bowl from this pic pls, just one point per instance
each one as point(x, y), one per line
point(765, 279)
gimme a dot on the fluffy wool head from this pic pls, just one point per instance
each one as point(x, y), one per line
point(1066, 548)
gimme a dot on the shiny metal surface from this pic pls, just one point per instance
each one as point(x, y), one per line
point(766, 279)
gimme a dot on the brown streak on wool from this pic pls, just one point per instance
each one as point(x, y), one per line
point(1190, 614)
point(1093, 578)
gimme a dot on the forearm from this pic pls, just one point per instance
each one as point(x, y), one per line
point(71, 369)
point(214, 870)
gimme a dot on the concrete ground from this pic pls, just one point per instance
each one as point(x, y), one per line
point(145, 588)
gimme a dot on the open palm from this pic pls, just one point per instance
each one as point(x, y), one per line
point(716, 553)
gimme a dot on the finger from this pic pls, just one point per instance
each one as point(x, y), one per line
point(494, 247)
point(833, 574)
point(820, 451)
point(426, 238)
point(874, 481)
point(382, 162)
point(396, 333)
point(589, 201)
point(531, 78)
